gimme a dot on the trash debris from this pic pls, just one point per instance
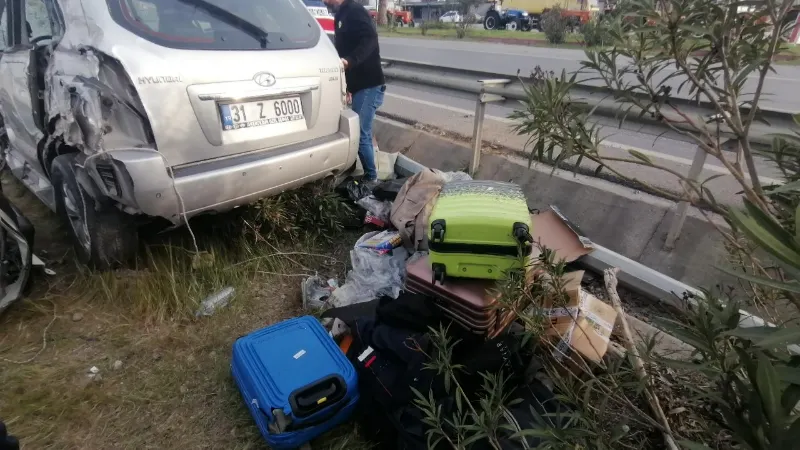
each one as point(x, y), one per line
point(378, 208)
point(382, 242)
point(77, 317)
point(94, 370)
point(373, 275)
point(117, 365)
point(373, 220)
point(215, 301)
point(338, 329)
point(316, 291)
point(357, 190)
point(388, 190)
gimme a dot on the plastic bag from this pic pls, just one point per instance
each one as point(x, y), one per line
point(374, 275)
point(356, 190)
point(455, 176)
point(379, 209)
point(316, 292)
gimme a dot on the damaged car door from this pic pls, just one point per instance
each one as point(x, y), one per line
point(30, 31)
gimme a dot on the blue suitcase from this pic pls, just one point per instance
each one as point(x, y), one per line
point(295, 380)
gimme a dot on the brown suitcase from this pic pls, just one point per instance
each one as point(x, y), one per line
point(467, 302)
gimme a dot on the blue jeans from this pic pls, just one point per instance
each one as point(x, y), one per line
point(365, 103)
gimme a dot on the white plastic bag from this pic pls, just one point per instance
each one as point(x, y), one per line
point(374, 275)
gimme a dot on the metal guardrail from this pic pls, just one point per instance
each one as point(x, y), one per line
point(599, 98)
point(492, 87)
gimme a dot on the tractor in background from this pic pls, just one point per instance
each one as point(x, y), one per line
point(511, 19)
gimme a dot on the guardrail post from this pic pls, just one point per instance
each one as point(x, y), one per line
point(480, 111)
point(683, 207)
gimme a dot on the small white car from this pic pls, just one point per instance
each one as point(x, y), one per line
point(450, 17)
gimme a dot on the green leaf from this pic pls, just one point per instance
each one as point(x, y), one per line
point(784, 286)
point(768, 337)
point(769, 388)
point(794, 186)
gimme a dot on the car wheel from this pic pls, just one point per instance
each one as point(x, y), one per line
point(104, 238)
point(513, 25)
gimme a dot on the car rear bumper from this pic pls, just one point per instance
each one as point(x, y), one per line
point(144, 185)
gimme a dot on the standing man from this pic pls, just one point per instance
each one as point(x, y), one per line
point(357, 43)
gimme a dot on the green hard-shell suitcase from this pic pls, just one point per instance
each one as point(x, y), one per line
point(479, 229)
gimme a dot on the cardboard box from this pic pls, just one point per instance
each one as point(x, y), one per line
point(582, 326)
point(552, 230)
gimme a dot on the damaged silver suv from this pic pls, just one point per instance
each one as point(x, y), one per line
point(119, 112)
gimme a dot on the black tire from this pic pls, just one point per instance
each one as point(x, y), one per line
point(109, 239)
point(491, 21)
point(399, 23)
point(516, 25)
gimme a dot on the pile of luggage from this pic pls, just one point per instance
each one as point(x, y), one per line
point(299, 381)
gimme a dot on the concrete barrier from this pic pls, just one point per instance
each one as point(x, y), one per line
point(630, 223)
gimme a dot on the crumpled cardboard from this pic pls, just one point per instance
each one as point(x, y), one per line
point(552, 230)
point(582, 326)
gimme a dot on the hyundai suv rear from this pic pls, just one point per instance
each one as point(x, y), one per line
point(167, 109)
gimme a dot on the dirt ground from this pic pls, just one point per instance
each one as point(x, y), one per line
point(164, 378)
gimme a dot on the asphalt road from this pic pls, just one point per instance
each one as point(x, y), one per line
point(782, 89)
point(454, 111)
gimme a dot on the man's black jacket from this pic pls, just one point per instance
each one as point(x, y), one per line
point(357, 42)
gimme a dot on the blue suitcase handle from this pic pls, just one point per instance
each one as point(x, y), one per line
point(316, 396)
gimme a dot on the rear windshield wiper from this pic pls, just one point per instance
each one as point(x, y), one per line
point(231, 19)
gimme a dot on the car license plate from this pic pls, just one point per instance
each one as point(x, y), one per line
point(236, 116)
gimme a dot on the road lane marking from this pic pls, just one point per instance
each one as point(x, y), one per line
point(607, 143)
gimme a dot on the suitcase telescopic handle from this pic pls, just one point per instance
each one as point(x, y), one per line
point(317, 396)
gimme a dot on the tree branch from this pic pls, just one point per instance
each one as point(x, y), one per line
point(610, 279)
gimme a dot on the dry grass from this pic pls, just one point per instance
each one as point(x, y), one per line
point(174, 388)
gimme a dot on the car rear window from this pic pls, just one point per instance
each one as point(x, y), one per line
point(219, 24)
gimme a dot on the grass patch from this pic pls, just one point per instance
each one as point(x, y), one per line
point(171, 387)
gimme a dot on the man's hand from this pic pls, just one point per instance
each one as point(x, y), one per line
point(349, 99)
point(345, 64)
